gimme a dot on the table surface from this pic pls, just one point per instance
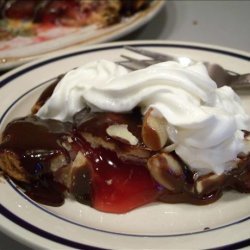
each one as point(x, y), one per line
point(223, 23)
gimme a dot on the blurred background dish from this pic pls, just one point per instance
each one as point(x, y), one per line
point(44, 26)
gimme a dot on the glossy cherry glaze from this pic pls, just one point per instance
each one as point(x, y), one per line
point(118, 186)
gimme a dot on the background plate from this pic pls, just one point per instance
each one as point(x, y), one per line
point(154, 226)
point(77, 37)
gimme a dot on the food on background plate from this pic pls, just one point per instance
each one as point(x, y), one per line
point(117, 140)
point(31, 17)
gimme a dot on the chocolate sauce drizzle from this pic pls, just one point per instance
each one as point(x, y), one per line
point(37, 143)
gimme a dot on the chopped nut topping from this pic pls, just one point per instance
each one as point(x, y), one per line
point(57, 162)
point(167, 171)
point(80, 160)
point(154, 132)
point(169, 148)
point(121, 133)
point(209, 183)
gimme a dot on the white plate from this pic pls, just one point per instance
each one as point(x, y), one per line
point(13, 54)
point(155, 226)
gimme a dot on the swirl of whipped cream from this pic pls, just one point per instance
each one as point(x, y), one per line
point(68, 98)
point(203, 121)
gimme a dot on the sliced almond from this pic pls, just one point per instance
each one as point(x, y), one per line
point(121, 133)
point(167, 171)
point(96, 142)
point(79, 161)
point(57, 162)
point(154, 132)
point(208, 183)
point(81, 179)
point(65, 174)
point(169, 148)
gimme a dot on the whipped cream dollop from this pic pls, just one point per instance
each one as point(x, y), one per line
point(204, 122)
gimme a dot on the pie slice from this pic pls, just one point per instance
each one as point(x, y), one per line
point(27, 17)
point(111, 161)
point(108, 170)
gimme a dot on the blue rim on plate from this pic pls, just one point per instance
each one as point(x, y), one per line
point(19, 221)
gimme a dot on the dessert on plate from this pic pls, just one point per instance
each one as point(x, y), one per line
point(117, 140)
point(32, 17)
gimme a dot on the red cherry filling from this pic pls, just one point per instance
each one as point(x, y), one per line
point(117, 186)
